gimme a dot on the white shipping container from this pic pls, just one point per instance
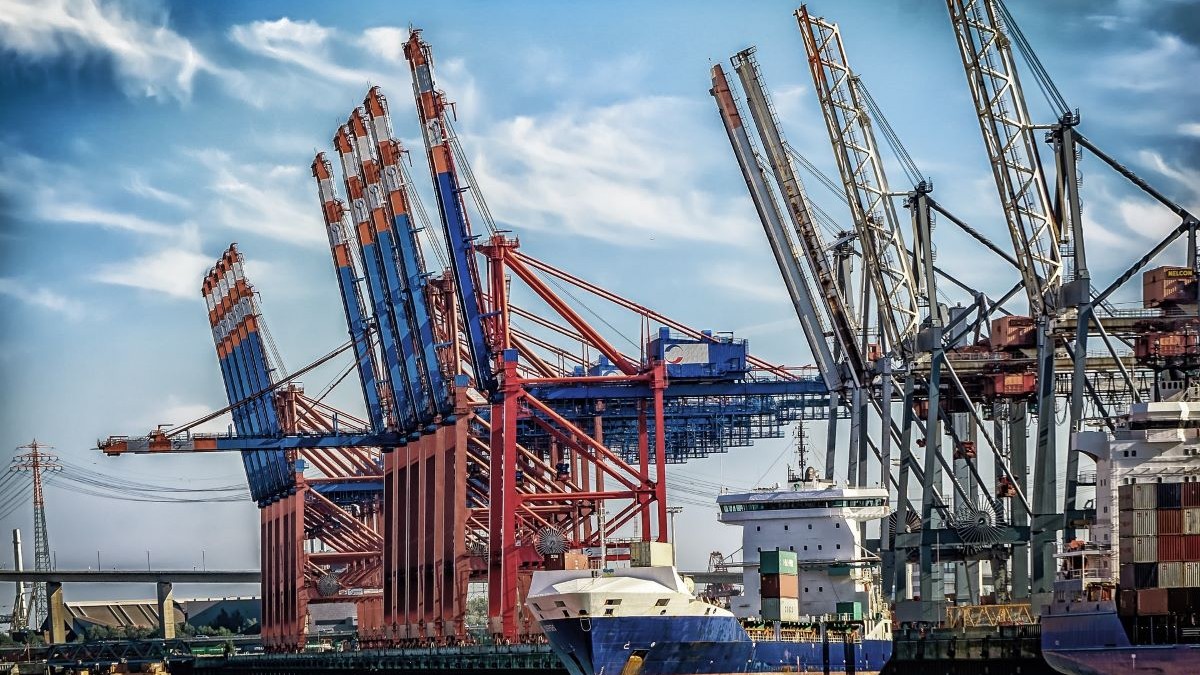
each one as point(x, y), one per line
point(1145, 496)
point(1145, 549)
point(1145, 523)
point(1191, 574)
point(1170, 575)
point(780, 609)
point(651, 554)
point(1191, 521)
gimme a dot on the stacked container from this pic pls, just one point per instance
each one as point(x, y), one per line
point(779, 586)
point(1159, 545)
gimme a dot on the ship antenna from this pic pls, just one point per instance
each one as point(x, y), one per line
point(801, 454)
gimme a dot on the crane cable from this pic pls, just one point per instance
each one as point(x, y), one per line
point(1045, 83)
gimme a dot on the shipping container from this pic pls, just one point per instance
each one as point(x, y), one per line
point(1152, 602)
point(1191, 574)
point(1145, 575)
point(1191, 495)
point(1170, 575)
point(1125, 551)
point(777, 562)
point(574, 560)
point(1145, 523)
point(1170, 495)
point(779, 585)
point(1013, 332)
point(854, 609)
point(1010, 385)
point(1180, 600)
point(1125, 498)
point(1191, 521)
point(1191, 547)
point(1127, 603)
point(652, 554)
point(1170, 549)
point(1168, 286)
point(1145, 549)
point(1128, 576)
point(780, 609)
point(1170, 521)
point(1145, 496)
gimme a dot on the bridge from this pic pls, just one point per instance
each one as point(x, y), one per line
point(164, 580)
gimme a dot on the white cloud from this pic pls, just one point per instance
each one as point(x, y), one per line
point(1190, 129)
point(1187, 178)
point(625, 173)
point(176, 272)
point(386, 42)
point(139, 186)
point(749, 284)
point(148, 58)
point(274, 201)
point(300, 43)
point(91, 215)
point(1167, 65)
point(42, 297)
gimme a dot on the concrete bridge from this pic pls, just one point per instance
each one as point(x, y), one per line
point(164, 580)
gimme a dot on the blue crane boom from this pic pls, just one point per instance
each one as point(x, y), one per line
point(404, 232)
point(403, 408)
point(394, 278)
point(352, 300)
point(431, 110)
point(234, 317)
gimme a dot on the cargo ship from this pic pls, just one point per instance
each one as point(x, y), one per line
point(1129, 599)
point(811, 603)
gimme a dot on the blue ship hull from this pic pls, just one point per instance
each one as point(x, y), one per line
point(695, 645)
point(1090, 640)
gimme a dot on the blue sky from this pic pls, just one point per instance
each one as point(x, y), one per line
point(137, 139)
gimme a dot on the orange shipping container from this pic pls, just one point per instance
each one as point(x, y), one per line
point(779, 586)
point(1013, 332)
point(1152, 602)
point(1168, 285)
point(1170, 521)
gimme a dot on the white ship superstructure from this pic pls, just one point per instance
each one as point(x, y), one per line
point(819, 521)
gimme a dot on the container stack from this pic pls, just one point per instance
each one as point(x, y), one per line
point(1159, 548)
point(779, 586)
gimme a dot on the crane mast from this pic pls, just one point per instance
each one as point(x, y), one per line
point(783, 246)
point(1012, 149)
point(886, 257)
point(844, 329)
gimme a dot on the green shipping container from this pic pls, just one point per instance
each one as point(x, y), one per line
point(777, 562)
point(854, 609)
